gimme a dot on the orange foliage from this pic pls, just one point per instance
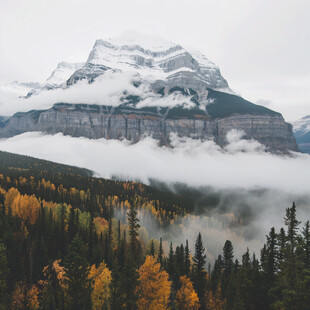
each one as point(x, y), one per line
point(214, 302)
point(101, 224)
point(24, 299)
point(154, 287)
point(100, 280)
point(26, 207)
point(11, 194)
point(186, 297)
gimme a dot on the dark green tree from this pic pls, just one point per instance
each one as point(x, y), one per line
point(134, 226)
point(187, 262)
point(199, 271)
point(306, 239)
point(152, 249)
point(77, 270)
point(4, 272)
point(228, 258)
point(160, 252)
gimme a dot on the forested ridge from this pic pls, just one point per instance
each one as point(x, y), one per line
point(71, 241)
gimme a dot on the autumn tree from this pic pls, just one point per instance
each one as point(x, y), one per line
point(214, 301)
point(186, 297)
point(22, 298)
point(154, 286)
point(100, 278)
point(53, 286)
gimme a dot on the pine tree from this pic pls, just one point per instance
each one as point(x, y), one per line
point(71, 225)
point(160, 252)
point(187, 263)
point(199, 271)
point(228, 256)
point(77, 270)
point(292, 226)
point(152, 250)
point(306, 236)
point(134, 226)
point(4, 272)
point(170, 263)
point(271, 255)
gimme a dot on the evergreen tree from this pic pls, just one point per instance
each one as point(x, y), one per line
point(271, 255)
point(71, 225)
point(170, 263)
point(77, 270)
point(134, 226)
point(187, 263)
point(292, 226)
point(306, 239)
point(228, 256)
point(199, 271)
point(4, 272)
point(160, 252)
point(152, 249)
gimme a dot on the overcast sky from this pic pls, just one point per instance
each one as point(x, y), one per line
point(262, 47)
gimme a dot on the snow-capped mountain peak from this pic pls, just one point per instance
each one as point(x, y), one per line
point(302, 125)
point(63, 71)
point(157, 61)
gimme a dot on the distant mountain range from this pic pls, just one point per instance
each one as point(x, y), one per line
point(172, 89)
point(302, 133)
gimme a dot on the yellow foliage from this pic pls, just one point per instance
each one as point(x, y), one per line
point(21, 298)
point(26, 207)
point(32, 297)
point(214, 302)
point(11, 194)
point(59, 270)
point(154, 287)
point(101, 224)
point(186, 297)
point(100, 280)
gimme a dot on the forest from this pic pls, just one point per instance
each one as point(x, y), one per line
point(69, 240)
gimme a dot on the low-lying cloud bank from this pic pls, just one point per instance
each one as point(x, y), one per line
point(243, 163)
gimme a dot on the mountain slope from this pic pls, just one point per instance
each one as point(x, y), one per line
point(302, 133)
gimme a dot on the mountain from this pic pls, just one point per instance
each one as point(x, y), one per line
point(302, 133)
point(58, 77)
point(162, 63)
point(61, 74)
point(148, 86)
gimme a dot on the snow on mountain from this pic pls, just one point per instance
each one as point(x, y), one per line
point(302, 125)
point(63, 71)
point(17, 89)
point(302, 133)
point(157, 61)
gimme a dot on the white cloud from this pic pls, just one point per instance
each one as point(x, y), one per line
point(107, 89)
point(189, 161)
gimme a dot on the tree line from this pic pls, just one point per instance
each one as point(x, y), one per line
point(64, 262)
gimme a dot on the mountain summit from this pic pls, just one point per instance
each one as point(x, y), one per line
point(161, 63)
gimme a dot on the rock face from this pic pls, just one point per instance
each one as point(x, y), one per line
point(95, 122)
